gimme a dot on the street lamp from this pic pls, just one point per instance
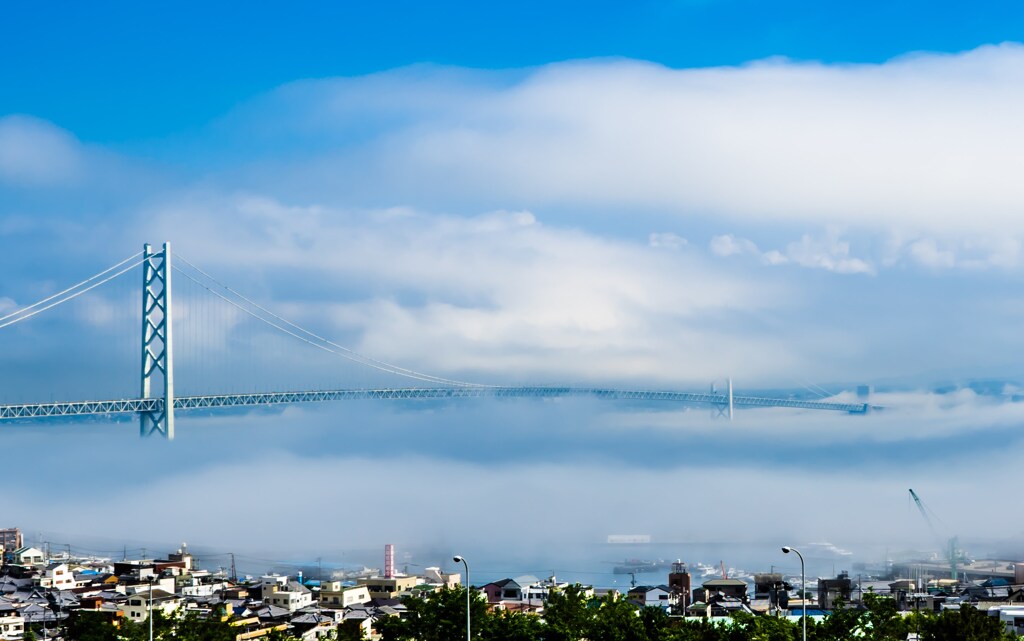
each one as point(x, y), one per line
point(150, 607)
point(803, 585)
point(459, 559)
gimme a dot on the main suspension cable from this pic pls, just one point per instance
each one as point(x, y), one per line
point(318, 341)
point(22, 316)
point(21, 311)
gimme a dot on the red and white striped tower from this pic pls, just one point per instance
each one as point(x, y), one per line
point(389, 561)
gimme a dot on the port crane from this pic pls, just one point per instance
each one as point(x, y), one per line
point(950, 544)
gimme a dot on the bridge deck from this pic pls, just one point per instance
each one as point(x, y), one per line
point(123, 406)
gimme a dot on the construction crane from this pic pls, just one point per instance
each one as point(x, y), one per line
point(950, 544)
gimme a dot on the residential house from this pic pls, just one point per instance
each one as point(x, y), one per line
point(294, 596)
point(12, 624)
point(733, 588)
point(503, 591)
point(27, 556)
point(389, 587)
point(1012, 618)
point(829, 590)
point(333, 593)
point(137, 607)
point(434, 576)
point(659, 596)
point(536, 594)
point(56, 576)
point(310, 626)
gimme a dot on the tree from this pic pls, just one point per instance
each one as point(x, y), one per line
point(192, 628)
point(84, 625)
point(441, 615)
point(965, 624)
point(840, 624)
point(694, 630)
point(760, 628)
point(655, 622)
point(565, 615)
point(392, 628)
point(350, 631)
point(884, 622)
point(511, 626)
point(131, 631)
point(616, 620)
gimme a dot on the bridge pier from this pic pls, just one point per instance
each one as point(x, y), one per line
point(156, 340)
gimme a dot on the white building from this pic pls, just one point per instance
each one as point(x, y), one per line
point(536, 594)
point(12, 625)
point(28, 556)
point(1012, 617)
point(57, 575)
point(333, 593)
point(659, 596)
point(295, 597)
point(434, 576)
point(137, 607)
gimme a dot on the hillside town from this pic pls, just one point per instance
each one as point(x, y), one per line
point(45, 595)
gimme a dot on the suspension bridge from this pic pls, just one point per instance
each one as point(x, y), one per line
point(157, 403)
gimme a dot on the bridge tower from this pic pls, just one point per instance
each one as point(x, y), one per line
point(156, 340)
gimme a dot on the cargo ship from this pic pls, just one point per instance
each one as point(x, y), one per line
point(639, 566)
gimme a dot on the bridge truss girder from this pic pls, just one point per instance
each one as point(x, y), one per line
point(156, 406)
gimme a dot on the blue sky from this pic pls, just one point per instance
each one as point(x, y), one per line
point(642, 194)
point(119, 71)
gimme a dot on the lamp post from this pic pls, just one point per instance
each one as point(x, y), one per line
point(803, 586)
point(459, 559)
point(150, 607)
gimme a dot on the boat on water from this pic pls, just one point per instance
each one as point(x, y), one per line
point(639, 566)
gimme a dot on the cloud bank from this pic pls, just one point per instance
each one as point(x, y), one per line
point(925, 144)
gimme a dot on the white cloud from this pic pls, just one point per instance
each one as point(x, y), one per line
point(965, 252)
point(927, 252)
point(667, 240)
point(829, 252)
point(34, 153)
point(7, 305)
point(729, 245)
point(499, 292)
point(872, 510)
point(925, 143)
point(905, 417)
